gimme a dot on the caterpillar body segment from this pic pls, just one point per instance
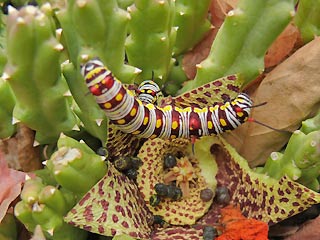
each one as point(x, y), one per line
point(132, 116)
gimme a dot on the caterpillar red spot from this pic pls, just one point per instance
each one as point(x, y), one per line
point(132, 116)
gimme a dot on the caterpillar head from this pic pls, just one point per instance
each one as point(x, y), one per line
point(242, 106)
point(91, 65)
point(149, 92)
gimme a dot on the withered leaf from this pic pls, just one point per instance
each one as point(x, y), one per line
point(291, 91)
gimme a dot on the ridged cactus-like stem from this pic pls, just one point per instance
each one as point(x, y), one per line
point(243, 40)
point(192, 22)
point(7, 103)
point(92, 117)
point(45, 206)
point(308, 19)
point(311, 124)
point(300, 160)
point(102, 27)
point(33, 72)
point(75, 166)
point(152, 35)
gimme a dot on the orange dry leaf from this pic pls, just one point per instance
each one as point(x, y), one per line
point(282, 46)
point(237, 227)
point(10, 185)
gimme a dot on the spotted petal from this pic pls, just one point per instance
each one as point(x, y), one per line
point(112, 207)
point(258, 195)
point(208, 94)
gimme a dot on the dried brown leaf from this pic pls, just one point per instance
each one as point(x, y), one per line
point(291, 91)
point(282, 46)
point(20, 152)
point(311, 230)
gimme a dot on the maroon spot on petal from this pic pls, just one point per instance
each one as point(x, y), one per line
point(73, 211)
point(72, 223)
point(232, 77)
point(115, 218)
point(133, 234)
point(105, 204)
point(101, 229)
point(233, 88)
point(276, 209)
point(290, 184)
point(100, 191)
point(217, 83)
point(88, 215)
point(280, 192)
point(194, 91)
point(117, 197)
point(87, 228)
point(295, 204)
point(113, 231)
point(284, 200)
point(111, 184)
point(216, 91)
point(102, 218)
point(84, 199)
point(125, 224)
point(207, 94)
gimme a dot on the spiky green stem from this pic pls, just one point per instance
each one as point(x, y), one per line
point(100, 29)
point(308, 19)
point(243, 40)
point(7, 102)
point(33, 72)
point(300, 160)
point(152, 35)
point(45, 206)
point(75, 166)
point(191, 20)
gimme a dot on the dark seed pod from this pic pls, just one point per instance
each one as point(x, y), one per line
point(123, 163)
point(209, 233)
point(136, 162)
point(222, 195)
point(102, 151)
point(174, 192)
point(169, 161)
point(161, 189)
point(206, 194)
point(154, 200)
point(177, 194)
point(132, 173)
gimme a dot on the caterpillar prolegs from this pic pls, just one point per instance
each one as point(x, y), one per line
point(130, 115)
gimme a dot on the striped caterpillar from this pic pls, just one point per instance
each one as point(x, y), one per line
point(130, 115)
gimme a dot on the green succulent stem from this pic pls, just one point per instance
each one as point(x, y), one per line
point(243, 40)
point(7, 103)
point(92, 117)
point(33, 73)
point(151, 52)
point(45, 205)
point(193, 24)
point(308, 19)
point(300, 160)
point(75, 166)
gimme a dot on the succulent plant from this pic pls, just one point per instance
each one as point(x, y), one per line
point(75, 166)
point(46, 205)
point(41, 51)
